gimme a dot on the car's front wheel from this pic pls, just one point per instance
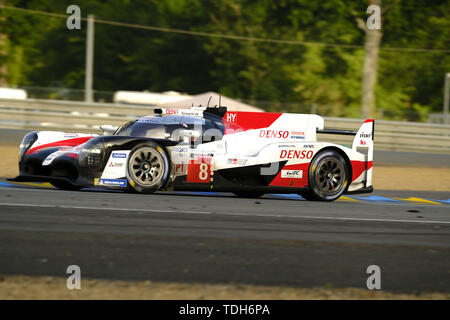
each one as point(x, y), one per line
point(148, 167)
point(328, 177)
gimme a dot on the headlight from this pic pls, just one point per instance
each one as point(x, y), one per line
point(92, 154)
point(26, 143)
point(93, 158)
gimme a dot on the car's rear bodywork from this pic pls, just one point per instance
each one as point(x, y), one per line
point(208, 149)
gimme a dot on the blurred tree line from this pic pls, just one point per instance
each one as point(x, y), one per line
point(39, 50)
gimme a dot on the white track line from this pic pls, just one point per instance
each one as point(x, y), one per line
point(225, 213)
point(97, 208)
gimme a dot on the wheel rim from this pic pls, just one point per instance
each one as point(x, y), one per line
point(330, 175)
point(146, 166)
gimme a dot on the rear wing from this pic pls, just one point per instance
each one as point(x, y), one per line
point(362, 142)
point(363, 137)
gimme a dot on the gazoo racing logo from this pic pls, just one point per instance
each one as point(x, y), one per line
point(273, 134)
point(296, 154)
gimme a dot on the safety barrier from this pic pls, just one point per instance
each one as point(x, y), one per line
point(32, 114)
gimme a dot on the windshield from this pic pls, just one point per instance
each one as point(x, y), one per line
point(173, 128)
point(142, 129)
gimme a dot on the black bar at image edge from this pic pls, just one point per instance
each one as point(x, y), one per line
point(224, 309)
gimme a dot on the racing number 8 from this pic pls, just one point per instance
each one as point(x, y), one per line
point(199, 171)
point(203, 174)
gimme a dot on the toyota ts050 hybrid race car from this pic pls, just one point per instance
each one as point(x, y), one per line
point(206, 149)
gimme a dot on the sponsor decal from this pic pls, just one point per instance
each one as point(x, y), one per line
point(286, 146)
point(110, 182)
point(116, 165)
point(297, 135)
point(237, 161)
point(70, 135)
point(180, 149)
point(296, 154)
point(295, 175)
point(119, 155)
point(194, 111)
point(292, 174)
point(365, 135)
point(187, 113)
point(231, 117)
point(150, 120)
point(171, 111)
point(362, 142)
point(273, 134)
point(180, 168)
point(311, 146)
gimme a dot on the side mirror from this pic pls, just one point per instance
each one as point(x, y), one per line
point(108, 129)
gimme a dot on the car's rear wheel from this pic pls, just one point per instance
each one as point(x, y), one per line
point(248, 194)
point(328, 177)
point(148, 167)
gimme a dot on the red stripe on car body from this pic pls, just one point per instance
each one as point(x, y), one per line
point(62, 143)
point(236, 121)
point(72, 155)
point(358, 168)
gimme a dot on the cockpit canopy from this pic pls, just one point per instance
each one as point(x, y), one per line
point(175, 128)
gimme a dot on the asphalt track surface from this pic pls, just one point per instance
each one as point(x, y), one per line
point(219, 238)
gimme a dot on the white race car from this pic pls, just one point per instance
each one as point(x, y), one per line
point(206, 149)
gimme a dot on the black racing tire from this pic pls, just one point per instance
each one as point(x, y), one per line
point(328, 177)
point(148, 168)
point(63, 185)
point(248, 194)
